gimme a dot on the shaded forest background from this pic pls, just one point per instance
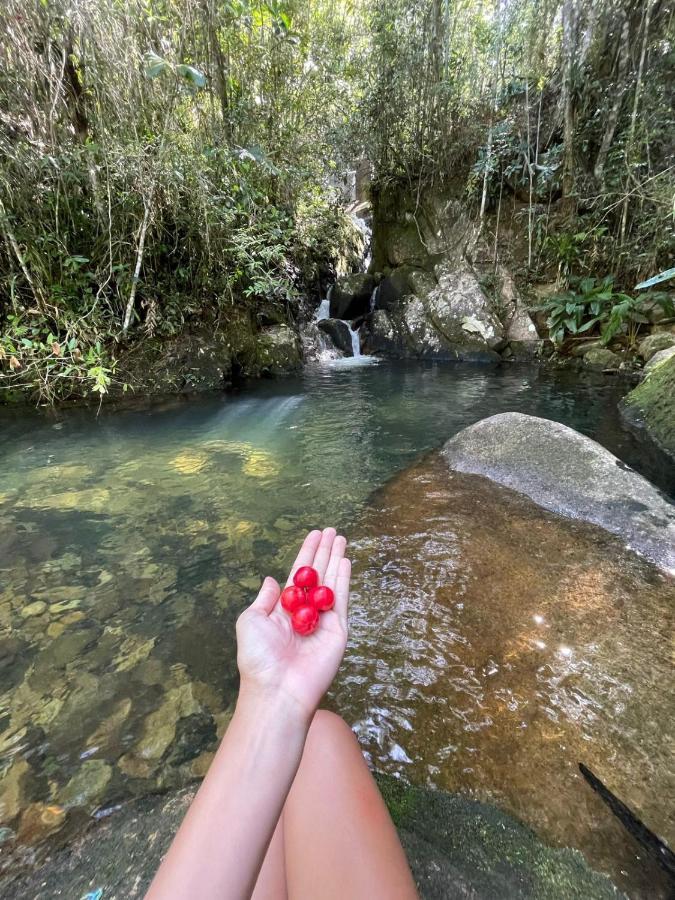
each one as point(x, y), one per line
point(166, 162)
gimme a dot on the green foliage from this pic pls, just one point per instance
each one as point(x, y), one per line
point(202, 169)
point(592, 303)
point(53, 366)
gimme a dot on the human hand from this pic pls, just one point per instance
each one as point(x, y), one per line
point(278, 664)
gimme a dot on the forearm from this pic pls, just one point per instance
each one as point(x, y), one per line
point(222, 842)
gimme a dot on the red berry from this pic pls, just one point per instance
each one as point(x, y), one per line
point(305, 620)
point(306, 577)
point(292, 597)
point(322, 597)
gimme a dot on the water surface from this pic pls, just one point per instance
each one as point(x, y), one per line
point(130, 542)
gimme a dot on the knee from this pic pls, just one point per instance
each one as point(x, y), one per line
point(326, 731)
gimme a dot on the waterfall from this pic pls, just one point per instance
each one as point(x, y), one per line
point(356, 342)
point(323, 312)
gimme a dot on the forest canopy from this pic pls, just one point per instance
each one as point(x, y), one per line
point(166, 162)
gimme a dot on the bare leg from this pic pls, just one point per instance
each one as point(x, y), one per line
point(339, 840)
point(271, 883)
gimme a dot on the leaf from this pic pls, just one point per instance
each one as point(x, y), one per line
point(191, 74)
point(155, 65)
point(656, 279)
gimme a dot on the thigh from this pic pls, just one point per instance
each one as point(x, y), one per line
point(339, 840)
point(271, 883)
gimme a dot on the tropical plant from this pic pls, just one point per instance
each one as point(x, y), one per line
point(592, 303)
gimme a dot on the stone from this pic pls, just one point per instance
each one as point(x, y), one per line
point(87, 786)
point(278, 351)
point(601, 358)
point(452, 322)
point(581, 348)
point(658, 340)
point(12, 790)
point(111, 725)
point(660, 357)
point(159, 728)
point(40, 821)
point(350, 296)
point(201, 764)
point(571, 475)
point(457, 847)
point(527, 350)
point(283, 523)
point(55, 629)
point(339, 333)
point(133, 767)
point(34, 609)
point(651, 405)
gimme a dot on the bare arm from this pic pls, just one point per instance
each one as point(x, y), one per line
point(221, 844)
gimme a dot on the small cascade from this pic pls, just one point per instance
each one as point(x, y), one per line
point(356, 342)
point(373, 298)
point(323, 311)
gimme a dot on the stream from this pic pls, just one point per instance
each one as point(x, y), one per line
point(129, 543)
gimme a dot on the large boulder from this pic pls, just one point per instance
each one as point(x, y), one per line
point(659, 340)
point(457, 849)
point(651, 405)
point(447, 317)
point(278, 351)
point(350, 296)
point(569, 474)
point(339, 333)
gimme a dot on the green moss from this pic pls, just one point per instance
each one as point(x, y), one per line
point(399, 797)
point(654, 403)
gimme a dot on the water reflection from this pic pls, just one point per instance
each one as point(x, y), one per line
point(501, 646)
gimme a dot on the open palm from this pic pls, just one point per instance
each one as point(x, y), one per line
point(271, 656)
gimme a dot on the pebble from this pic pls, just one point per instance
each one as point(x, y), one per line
point(34, 609)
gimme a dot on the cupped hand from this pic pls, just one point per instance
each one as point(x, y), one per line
point(273, 660)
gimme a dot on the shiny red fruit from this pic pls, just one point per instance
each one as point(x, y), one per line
point(306, 577)
point(305, 620)
point(293, 598)
point(322, 597)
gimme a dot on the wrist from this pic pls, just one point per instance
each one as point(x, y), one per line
point(265, 704)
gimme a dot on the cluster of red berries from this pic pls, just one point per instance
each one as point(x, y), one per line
point(305, 599)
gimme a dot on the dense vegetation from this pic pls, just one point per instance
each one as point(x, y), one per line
point(166, 163)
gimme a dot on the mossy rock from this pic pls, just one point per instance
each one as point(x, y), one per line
point(459, 848)
point(651, 405)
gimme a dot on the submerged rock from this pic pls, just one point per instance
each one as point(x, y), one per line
point(86, 787)
point(570, 474)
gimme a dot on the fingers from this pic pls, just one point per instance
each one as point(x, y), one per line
point(307, 553)
point(267, 596)
point(323, 552)
point(344, 573)
point(336, 554)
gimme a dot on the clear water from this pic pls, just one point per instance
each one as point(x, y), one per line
point(129, 543)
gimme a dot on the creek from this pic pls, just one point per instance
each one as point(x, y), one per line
point(129, 543)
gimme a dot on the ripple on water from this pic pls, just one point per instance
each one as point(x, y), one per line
point(501, 646)
point(130, 541)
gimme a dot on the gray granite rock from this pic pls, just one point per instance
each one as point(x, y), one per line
point(570, 474)
point(457, 848)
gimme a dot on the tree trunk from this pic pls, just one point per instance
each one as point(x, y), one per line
point(569, 112)
point(633, 118)
point(613, 117)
